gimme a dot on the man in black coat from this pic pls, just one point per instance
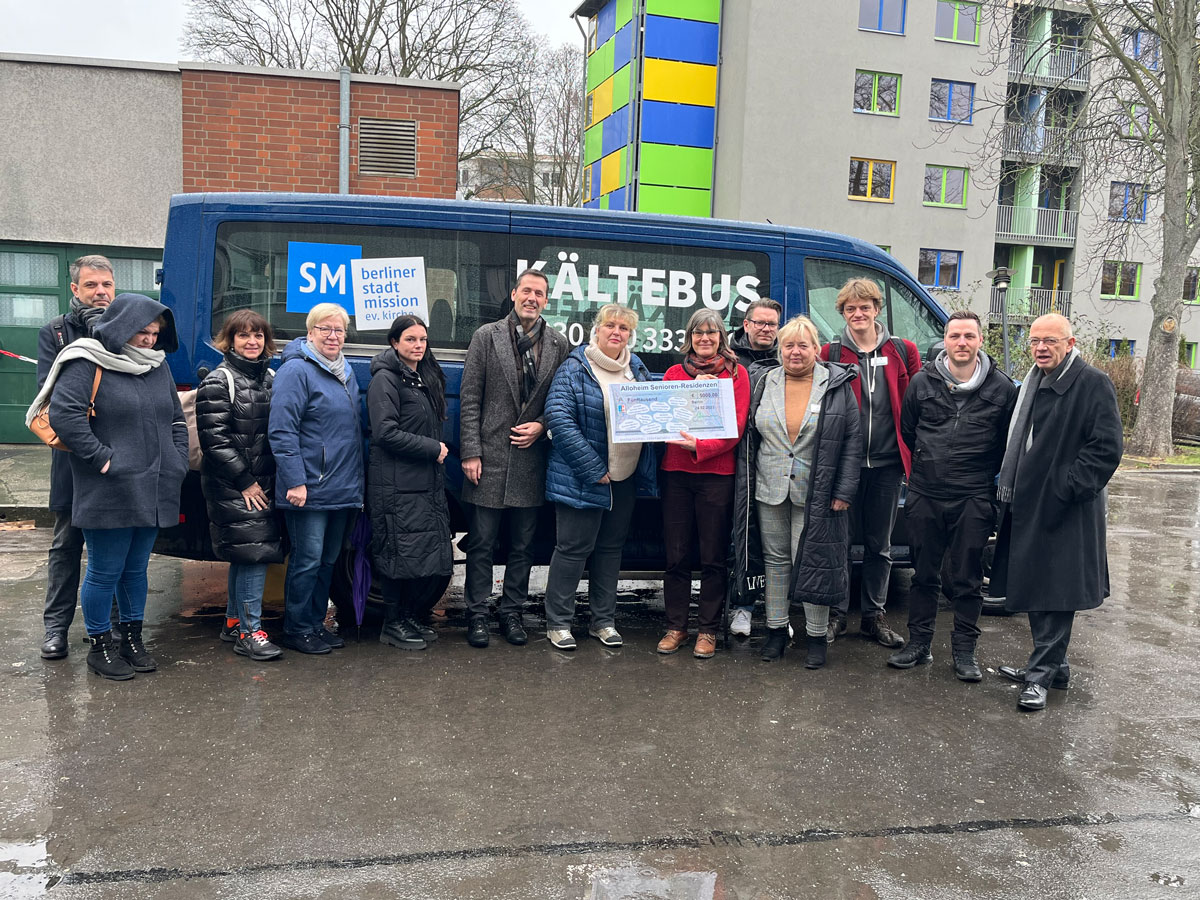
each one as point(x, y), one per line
point(509, 366)
point(1064, 445)
point(93, 289)
point(954, 417)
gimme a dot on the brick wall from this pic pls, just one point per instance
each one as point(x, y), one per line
point(257, 132)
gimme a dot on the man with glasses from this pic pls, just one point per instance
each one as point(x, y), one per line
point(755, 342)
point(1064, 444)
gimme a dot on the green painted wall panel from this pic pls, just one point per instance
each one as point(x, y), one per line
point(624, 12)
point(674, 201)
point(600, 64)
point(620, 89)
point(690, 167)
point(700, 10)
point(604, 201)
point(592, 144)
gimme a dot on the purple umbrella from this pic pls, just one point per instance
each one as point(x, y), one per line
point(360, 567)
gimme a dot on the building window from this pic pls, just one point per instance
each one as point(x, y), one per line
point(464, 176)
point(590, 108)
point(1120, 347)
point(951, 101)
point(871, 179)
point(876, 92)
point(1143, 46)
point(1127, 202)
point(957, 20)
point(1120, 280)
point(593, 30)
point(29, 288)
point(587, 182)
point(1140, 123)
point(939, 268)
point(881, 15)
point(886, 248)
point(945, 186)
point(1188, 357)
point(1191, 281)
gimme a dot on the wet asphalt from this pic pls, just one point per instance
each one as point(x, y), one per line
point(524, 772)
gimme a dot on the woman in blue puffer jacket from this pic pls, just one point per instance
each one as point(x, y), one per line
point(592, 481)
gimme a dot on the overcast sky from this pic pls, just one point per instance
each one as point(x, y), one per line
point(149, 30)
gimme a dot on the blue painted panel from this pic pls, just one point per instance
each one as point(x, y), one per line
point(623, 46)
point(616, 200)
point(682, 39)
point(591, 204)
point(606, 22)
point(677, 123)
point(616, 132)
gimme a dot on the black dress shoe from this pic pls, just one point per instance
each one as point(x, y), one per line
point(477, 632)
point(1033, 697)
point(329, 638)
point(1059, 682)
point(513, 629)
point(966, 668)
point(54, 646)
point(304, 643)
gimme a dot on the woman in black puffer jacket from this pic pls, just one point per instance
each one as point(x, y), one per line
point(238, 474)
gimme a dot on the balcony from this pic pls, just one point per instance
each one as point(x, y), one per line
point(1039, 63)
point(1037, 225)
point(1026, 305)
point(1035, 144)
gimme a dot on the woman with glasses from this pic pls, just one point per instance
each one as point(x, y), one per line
point(316, 439)
point(698, 492)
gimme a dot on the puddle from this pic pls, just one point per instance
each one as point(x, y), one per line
point(16, 859)
point(646, 884)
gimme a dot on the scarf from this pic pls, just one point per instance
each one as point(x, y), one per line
point(130, 361)
point(1020, 428)
point(85, 314)
point(598, 357)
point(723, 361)
point(336, 366)
point(525, 344)
point(969, 386)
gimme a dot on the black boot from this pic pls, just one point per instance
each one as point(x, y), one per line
point(105, 661)
point(477, 631)
point(965, 666)
point(816, 652)
point(133, 651)
point(777, 639)
point(915, 654)
point(402, 634)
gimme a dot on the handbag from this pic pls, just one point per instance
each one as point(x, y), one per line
point(41, 419)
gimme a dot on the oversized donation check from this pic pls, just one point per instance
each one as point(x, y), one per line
point(660, 410)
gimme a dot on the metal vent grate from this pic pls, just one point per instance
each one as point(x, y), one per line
point(387, 147)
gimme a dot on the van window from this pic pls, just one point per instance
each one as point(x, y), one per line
point(904, 313)
point(467, 275)
point(664, 283)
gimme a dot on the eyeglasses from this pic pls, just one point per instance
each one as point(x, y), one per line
point(762, 324)
point(1045, 342)
point(327, 330)
point(706, 333)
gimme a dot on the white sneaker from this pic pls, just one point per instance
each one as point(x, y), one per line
point(741, 623)
point(561, 638)
point(607, 635)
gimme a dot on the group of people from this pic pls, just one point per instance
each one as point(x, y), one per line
point(826, 436)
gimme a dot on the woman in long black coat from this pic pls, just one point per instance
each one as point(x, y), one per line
point(233, 406)
point(406, 497)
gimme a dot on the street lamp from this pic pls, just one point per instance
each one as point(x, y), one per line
point(1001, 278)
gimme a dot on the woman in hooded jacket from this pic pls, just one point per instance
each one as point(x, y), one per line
point(233, 406)
point(406, 494)
point(128, 460)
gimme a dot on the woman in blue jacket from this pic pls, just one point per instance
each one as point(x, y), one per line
point(316, 439)
point(592, 481)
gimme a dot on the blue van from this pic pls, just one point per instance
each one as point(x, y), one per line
point(280, 254)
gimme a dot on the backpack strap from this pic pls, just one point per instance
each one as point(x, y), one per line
point(229, 380)
point(91, 410)
point(835, 350)
point(59, 326)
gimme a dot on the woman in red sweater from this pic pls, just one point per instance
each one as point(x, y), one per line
point(697, 495)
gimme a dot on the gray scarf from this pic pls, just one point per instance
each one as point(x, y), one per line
point(1020, 428)
point(336, 366)
point(86, 315)
point(131, 361)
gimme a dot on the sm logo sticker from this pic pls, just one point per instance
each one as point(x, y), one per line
point(319, 273)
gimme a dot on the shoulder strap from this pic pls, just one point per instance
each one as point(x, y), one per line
point(835, 350)
point(58, 325)
point(91, 411)
point(229, 380)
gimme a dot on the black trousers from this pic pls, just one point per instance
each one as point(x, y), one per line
point(935, 526)
point(872, 516)
point(697, 512)
point(1051, 634)
point(485, 524)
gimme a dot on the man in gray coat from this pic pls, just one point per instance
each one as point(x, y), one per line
point(507, 373)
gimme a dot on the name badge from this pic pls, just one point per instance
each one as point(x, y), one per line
point(879, 360)
point(815, 408)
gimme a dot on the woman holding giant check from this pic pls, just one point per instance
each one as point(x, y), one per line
point(592, 481)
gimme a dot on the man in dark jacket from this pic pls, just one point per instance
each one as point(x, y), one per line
point(1064, 444)
point(885, 365)
point(92, 289)
point(955, 418)
point(509, 366)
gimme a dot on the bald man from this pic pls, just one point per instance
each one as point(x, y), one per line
point(1064, 444)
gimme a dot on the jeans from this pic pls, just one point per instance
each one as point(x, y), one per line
point(872, 517)
point(600, 534)
point(62, 575)
point(316, 536)
point(780, 527)
point(696, 506)
point(481, 543)
point(117, 560)
point(246, 583)
point(962, 526)
point(1051, 633)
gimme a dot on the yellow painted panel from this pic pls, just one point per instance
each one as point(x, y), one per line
point(602, 100)
point(679, 82)
point(612, 171)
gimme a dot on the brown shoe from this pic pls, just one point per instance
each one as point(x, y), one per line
point(672, 641)
point(706, 646)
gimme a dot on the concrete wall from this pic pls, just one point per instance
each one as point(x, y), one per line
point(90, 151)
